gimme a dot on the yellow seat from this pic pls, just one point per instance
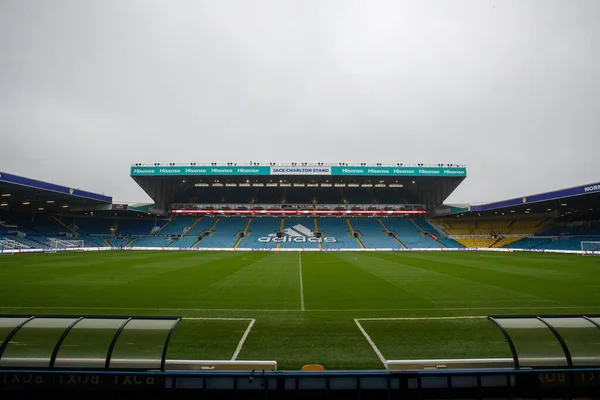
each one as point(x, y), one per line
point(313, 367)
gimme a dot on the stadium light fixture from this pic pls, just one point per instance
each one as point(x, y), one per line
point(26, 203)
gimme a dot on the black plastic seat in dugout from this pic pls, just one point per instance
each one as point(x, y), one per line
point(85, 342)
point(552, 341)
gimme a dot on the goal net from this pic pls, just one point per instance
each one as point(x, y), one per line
point(61, 244)
point(590, 248)
point(7, 247)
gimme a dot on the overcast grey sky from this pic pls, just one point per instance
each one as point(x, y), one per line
point(509, 88)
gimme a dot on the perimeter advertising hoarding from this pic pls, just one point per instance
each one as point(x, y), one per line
point(299, 170)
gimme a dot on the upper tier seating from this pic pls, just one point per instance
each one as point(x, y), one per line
point(573, 229)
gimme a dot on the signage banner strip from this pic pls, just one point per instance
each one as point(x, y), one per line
point(298, 170)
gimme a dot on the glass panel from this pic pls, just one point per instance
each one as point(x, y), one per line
point(86, 345)
point(595, 319)
point(582, 338)
point(33, 344)
point(141, 344)
point(7, 325)
point(535, 343)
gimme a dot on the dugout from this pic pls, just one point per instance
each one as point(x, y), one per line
point(111, 356)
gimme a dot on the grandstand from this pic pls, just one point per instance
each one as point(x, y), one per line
point(411, 307)
point(305, 207)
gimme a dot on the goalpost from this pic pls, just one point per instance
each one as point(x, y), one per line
point(62, 244)
point(590, 248)
point(7, 247)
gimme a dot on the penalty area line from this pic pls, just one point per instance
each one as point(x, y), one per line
point(366, 335)
point(244, 336)
point(238, 349)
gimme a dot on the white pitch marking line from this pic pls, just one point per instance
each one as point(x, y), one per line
point(217, 319)
point(422, 318)
point(239, 347)
point(301, 284)
point(244, 336)
point(366, 335)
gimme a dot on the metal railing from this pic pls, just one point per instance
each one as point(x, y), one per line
point(490, 383)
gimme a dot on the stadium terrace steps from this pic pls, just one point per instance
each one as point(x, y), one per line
point(177, 225)
point(262, 227)
point(337, 227)
point(223, 232)
point(409, 234)
point(373, 233)
point(317, 229)
point(353, 233)
point(246, 232)
point(389, 233)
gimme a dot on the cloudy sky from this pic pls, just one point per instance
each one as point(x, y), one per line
point(509, 88)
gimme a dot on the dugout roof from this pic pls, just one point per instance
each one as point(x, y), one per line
point(176, 183)
point(551, 341)
point(18, 193)
point(85, 342)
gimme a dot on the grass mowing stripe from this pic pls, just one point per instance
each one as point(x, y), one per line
point(429, 292)
point(301, 284)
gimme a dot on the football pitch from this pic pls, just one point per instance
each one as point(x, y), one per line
point(339, 309)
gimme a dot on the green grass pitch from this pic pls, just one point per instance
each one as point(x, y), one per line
point(304, 304)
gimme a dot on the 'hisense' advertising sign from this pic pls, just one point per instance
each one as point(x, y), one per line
point(299, 170)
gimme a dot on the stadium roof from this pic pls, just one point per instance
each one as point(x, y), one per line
point(170, 183)
point(17, 192)
point(578, 199)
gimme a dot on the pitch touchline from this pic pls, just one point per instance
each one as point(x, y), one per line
point(301, 284)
